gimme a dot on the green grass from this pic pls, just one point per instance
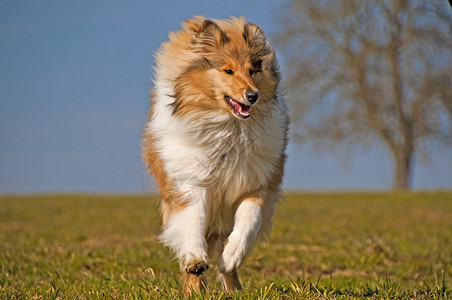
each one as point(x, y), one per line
point(323, 246)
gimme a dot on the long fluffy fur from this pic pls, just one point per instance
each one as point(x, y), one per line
point(218, 169)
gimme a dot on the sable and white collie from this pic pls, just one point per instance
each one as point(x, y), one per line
point(215, 142)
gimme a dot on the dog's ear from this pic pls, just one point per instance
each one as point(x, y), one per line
point(254, 35)
point(210, 37)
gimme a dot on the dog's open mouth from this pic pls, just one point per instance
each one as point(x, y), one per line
point(240, 109)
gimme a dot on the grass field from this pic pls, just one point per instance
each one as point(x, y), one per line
point(323, 246)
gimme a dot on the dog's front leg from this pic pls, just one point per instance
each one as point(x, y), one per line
point(247, 222)
point(184, 232)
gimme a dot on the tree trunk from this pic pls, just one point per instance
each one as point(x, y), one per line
point(403, 163)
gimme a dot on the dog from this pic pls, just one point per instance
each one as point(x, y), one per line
point(215, 143)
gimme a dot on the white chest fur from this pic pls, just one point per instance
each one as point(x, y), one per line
point(216, 159)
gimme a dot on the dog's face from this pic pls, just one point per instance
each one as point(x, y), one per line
point(234, 70)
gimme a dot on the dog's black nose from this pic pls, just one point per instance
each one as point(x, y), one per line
point(251, 96)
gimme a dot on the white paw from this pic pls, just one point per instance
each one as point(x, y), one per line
point(248, 220)
point(233, 254)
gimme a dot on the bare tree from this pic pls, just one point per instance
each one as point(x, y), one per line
point(364, 72)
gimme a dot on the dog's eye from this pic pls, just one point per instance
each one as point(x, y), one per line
point(229, 71)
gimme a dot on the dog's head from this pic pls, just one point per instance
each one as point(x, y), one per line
point(231, 70)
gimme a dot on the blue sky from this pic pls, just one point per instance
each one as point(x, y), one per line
point(74, 81)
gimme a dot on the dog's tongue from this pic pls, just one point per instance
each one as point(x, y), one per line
point(244, 110)
point(241, 109)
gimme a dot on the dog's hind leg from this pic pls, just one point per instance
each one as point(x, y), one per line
point(231, 281)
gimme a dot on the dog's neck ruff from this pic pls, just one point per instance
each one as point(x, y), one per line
point(213, 151)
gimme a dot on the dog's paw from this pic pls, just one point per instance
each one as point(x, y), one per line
point(233, 254)
point(196, 267)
